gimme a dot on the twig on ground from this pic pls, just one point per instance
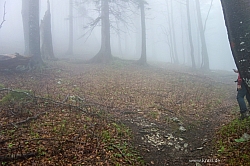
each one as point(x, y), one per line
point(122, 154)
point(17, 157)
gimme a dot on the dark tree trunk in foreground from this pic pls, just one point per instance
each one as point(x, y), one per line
point(46, 36)
point(104, 55)
point(205, 59)
point(190, 36)
point(143, 59)
point(34, 32)
point(25, 16)
point(237, 19)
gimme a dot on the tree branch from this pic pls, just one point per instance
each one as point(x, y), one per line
point(211, 4)
point(4, 13)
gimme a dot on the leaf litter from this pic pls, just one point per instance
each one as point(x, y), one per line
point(162, 107)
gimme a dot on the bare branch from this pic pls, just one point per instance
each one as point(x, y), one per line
point(211, 4)
point(4, 13)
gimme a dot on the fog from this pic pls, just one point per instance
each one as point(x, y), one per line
point(127, 46)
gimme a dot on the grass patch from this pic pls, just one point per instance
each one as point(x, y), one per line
point(1, 86)
point(229, 146)
point(15, 96)
point(64, 136)
point(116, 142)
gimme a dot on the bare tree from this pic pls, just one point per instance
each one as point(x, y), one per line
point(25, 17)
point(176, 59)
point(105, 9)
point(143, 59)
point(46, 35)
point(204, 53)
point(104, 54)
point(4, 13)
point(71, 26)
point(190, 35)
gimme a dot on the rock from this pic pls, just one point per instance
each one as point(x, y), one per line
point(170, 144)
point(246, 136)
point(177, 146)
point(185, 145)
point(175, 119)
point(181, 128)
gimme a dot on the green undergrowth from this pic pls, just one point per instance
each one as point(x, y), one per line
point(62, 135)
point(1, 86)
point(231, 148)
point(116, 143)
point(15, 96)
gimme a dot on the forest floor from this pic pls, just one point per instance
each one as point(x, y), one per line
point(172, 113)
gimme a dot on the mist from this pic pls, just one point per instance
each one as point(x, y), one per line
point(127, 44)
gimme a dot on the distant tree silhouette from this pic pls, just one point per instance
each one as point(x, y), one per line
point(4, 13)
point(46, 35)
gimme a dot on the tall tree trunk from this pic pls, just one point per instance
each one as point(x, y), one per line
point(176, 60)
point(71, 25)
point(34, 31)
point(170, 36)
point(137, 35)
point(190, 36)
point(46, 35)
point(25, 17)
point(182, 36)
point(205, 58)
point(104, 55)
point(143, 59)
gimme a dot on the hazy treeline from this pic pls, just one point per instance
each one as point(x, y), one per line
point(167, 33)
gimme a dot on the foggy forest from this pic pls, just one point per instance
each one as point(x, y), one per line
point(124, 82)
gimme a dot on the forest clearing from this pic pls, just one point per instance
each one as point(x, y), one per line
point(117, 114)
point(135, 82)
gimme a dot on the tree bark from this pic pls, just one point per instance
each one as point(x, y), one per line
point(34, 32)
point(237, 20)
point(104, 55)
point(205, 58)
point(190, 36)
point(46, 36)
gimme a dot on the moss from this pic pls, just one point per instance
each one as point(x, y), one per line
point(16, 96)
point(1, 86)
